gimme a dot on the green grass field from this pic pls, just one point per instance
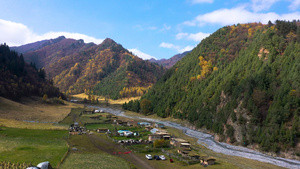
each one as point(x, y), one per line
point(88, 156)
point(72, 116)
point(32, 146)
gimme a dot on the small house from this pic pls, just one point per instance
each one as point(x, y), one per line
point(114, 117)
point(158, 136)
point(185, 145)
point(88, 112)
point(148, 128)
point(117, 121)
point(144, 124)
point(123, 123)
point(122, 132)
point(102, 130)
point(184, 153)
point(95, 117)
point(128, 133)
point(159, 125)
point(205, 160)
point(131, 123)
point(153, 137)
point(177, 142)
point(153, 131)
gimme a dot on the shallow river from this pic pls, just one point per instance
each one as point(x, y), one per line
point(208, 141)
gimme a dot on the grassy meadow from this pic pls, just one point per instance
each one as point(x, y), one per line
point(32, 146)
point(87, 155)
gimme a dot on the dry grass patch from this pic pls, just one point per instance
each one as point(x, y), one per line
point(101, 99)
point(34, 110)
point(30, 125)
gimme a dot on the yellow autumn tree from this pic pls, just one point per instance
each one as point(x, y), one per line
point(206, 66)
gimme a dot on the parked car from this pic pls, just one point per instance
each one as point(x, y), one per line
point(149, 156)
point(156, 157)
point(43, 165)
point(162, 157)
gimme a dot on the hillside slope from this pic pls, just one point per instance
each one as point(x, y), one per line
point(76, 67)
point(242, 83)
point(19, 79)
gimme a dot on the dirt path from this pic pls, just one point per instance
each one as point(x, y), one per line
point(109, 147)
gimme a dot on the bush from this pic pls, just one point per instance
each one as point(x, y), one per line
point(161, 143)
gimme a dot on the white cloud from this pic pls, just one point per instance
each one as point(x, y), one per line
point(175, 47)
point(260, 5)
point(152, 27)
point(201, 1)
point(239, 15)
point(15, 34)
point(168, 45)
point(181, 35)
point(195, 37)
point(165, 28)
point(140, 54)
point(187, 48)
point(189, 23)
point(294, 5)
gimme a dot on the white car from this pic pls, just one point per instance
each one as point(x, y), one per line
point(162, 157)
point(149, 156)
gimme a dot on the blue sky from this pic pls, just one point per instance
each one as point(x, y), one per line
point(149, 28)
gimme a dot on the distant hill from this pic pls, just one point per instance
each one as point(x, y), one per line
point(241, 83)
point(168, 63)
point(19, 79)
point(77, 67)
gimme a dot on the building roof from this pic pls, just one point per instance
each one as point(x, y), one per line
point(180, 140)
point(185, 144)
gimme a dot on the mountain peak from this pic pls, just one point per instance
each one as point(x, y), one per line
point(111, 44)
point(108, 41)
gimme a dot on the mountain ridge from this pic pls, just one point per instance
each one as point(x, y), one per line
point(168, 63)
point(76, 67)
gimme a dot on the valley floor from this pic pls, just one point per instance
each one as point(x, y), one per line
point(36, 141)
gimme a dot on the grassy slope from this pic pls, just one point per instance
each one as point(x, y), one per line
point(32, 142)
point(33, 109)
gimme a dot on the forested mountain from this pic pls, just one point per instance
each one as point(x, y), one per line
point(77, 67)
point(242, 83)
point(19, 79)
point(168, 63)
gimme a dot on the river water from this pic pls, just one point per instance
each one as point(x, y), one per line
point(208, 141)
